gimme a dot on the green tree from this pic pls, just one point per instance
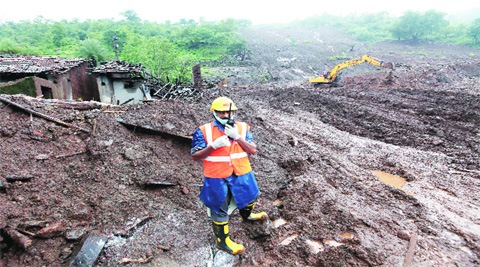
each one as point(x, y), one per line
point(368, 27)
point(414, 25)
point(474, 31)
point(94, 50)
point(167, 50)
point(9, 47)
point(456, 33)
point(159, 55)
point(131, 16)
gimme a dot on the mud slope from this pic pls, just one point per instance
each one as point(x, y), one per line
point(124, 173)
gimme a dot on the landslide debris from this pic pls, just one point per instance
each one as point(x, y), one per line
point(129, 179)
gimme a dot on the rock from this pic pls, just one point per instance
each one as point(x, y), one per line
point(52, 230)
point(81, 211)
point(134, 153)
point(404, 234)
point(75, 234)
point(259, 229)
point(293, 141)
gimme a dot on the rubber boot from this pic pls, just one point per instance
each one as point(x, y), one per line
point(248, 215)
point(223, 241)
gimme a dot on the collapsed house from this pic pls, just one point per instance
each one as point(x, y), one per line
point(121, 83)
point(114, 82)
point(47, 77)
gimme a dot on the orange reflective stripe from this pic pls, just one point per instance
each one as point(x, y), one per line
point(224, 161)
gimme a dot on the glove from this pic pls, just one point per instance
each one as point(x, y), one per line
point(221, 142)
point(232, 132)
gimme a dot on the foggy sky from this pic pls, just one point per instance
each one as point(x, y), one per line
point(257, 11)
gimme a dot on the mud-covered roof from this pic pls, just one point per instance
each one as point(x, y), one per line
point(38, 64)
point(120, 67)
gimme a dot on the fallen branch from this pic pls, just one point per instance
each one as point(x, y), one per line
point(94, 127)
point(148, 130)
point(140, 260)
point(411, 250)
point(162, 88)
point(465, 170)
point(18, 238)
point(128, 101)
point(18, 178)
point(78, 106)
point(130, 230)
point(152, 183)
point(113, 111)
point(69, 155)
point(26, 232)
point(41, 115)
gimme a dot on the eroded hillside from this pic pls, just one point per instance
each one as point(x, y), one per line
point(123, 174)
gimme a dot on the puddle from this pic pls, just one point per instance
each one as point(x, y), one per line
point(346, 235)
point(390, 179)
point(279, 222)
point(288, 240)
point(314, 246)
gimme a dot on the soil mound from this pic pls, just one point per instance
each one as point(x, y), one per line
point(379, 169)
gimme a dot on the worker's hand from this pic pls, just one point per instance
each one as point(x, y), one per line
point(221, 142)
point(232, 132)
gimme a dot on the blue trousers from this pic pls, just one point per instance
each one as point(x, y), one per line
point(216, 193)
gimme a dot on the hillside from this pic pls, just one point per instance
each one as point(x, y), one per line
point(123, 176)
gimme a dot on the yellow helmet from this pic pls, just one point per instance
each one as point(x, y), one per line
point(222, 103)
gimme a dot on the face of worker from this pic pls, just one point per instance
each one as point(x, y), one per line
point(222, 116)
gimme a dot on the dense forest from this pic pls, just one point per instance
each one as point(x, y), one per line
point(169, 50)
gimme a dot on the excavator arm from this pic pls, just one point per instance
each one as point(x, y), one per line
point(332, 75)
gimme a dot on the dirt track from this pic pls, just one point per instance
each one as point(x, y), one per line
point(317, 146)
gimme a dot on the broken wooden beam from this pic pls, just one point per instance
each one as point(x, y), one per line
point(18, 238)
point(128, 101)
point(52, 230)
point(131, 229)
point(149, 130)
point(140, 260)
point(18, 178)
point(408, 261)
point(87, 252)
point(158, 184)
point(78, 105)
point(41, 115)
point(162, 184)
point(71, 154)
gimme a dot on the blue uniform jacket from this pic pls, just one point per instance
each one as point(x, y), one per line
point(244, 188)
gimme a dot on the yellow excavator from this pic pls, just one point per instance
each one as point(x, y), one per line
point(331, 76)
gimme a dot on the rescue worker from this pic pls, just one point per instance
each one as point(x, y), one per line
point(229, 183)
